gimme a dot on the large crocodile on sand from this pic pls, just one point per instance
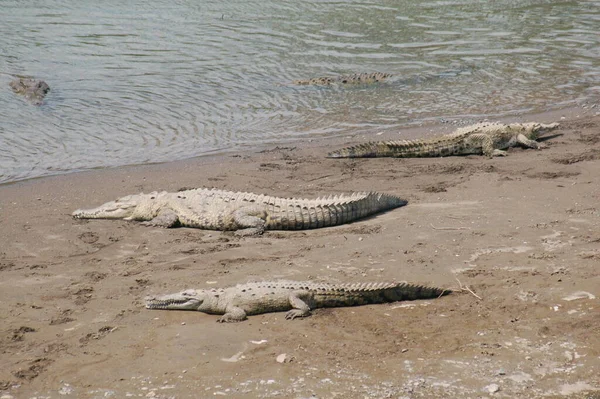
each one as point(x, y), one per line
point(245, 212)
point(34, 90)
point(490, 139)
point(298, 298)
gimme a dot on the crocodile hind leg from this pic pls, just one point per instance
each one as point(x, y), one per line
point(487, 145)
point(165, 218)
point(299, 308)
point(250, 220)
point(232, 314)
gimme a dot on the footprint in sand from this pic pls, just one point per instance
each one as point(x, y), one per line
point(89, 237)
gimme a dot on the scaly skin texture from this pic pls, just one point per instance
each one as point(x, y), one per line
point(33, 90)
point(356, 78)
point(296, 297)
point(247, 213)
point(490, 139)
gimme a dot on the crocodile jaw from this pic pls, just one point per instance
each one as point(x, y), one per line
point(540, 128)
point(122, 208)
point(186, 300)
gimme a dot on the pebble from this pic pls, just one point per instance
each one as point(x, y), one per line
point(283, 358)
point(492, 388)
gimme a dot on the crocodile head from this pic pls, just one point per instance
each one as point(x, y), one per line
point(185, 300)
point(122, 208)
point(539, 129)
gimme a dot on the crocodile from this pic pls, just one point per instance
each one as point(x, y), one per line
point(245, 213)
point(34, 90)
point(356, 78)
point(296, 297)
point(376, 77)
point(490, 139)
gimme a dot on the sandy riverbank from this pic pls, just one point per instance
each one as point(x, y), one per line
point(523, 232)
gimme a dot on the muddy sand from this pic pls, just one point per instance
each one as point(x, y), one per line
point(518, 238)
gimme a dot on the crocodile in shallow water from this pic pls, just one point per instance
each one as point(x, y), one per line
point(34, 90)
point(355, 78)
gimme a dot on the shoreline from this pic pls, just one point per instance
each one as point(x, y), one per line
point(350, 138)
point(520, 231)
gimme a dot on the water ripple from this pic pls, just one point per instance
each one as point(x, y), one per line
point(149, 81)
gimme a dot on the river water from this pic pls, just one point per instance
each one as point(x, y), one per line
point(158, 80)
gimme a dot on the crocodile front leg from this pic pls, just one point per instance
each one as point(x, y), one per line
point(233, 314)
point(165, 218)
point(524, 141)
point(300, 308)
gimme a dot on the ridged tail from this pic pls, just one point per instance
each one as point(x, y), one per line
point(294, 214)
point(372, 293)
point(397, 149)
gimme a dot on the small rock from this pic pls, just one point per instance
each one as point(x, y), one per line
point(283, 358)
point(492, 388)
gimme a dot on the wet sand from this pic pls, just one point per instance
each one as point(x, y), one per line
point(518, 238)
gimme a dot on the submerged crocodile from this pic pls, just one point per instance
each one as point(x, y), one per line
point(298, 298)
point(246, 212)
point(490, 139)
point(356, 78)
point(33, 90)
point(376, 77)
